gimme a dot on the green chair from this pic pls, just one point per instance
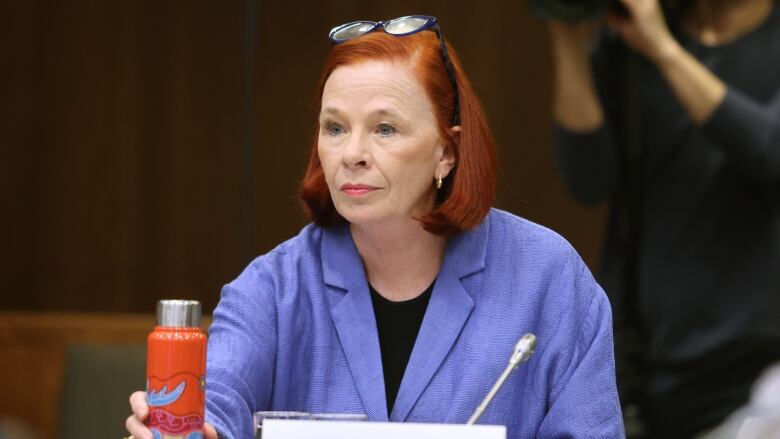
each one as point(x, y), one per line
point(97, 382)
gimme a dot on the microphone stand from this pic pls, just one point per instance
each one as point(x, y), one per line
point(523, 350)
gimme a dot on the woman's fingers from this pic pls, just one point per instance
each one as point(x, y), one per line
point(135, 422)
point(137, 428)
point(644, 28)
point(138, 405)
point(209, 432)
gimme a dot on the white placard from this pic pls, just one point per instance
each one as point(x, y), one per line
point(294, 429)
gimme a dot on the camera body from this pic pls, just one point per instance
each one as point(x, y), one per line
point(572, 10)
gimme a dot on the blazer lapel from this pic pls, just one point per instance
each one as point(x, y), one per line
point(448, 310)
point(353, 317)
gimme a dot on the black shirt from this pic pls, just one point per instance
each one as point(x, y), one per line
point(397, 324)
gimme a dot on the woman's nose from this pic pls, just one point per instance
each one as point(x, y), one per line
point(356, 152)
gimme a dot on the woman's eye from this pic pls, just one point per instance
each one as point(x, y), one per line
point(385, 130)
point(334, 129)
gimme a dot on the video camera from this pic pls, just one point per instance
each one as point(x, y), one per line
point(572, 10)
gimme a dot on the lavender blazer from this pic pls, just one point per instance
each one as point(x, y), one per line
point(296, 331)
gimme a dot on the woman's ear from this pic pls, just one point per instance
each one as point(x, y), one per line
point(447, 159)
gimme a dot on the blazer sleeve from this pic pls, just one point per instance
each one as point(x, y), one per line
point(241, 352)
point(583, 399)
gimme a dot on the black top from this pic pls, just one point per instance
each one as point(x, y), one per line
point(398, 324)
point(707, 290)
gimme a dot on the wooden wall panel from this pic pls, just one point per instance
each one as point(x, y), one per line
point(157, 146)
point(133, 156)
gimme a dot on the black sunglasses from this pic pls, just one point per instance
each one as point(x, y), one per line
point(402, 26)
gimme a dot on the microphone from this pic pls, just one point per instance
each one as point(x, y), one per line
point(523, 350)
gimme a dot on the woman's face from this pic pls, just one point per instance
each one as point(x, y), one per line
point(379, 144)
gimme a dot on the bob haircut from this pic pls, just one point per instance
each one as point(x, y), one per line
point(469, 190)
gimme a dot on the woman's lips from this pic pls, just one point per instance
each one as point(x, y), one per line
point(356, 190)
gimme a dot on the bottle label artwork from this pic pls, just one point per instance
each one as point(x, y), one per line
point(170, 406)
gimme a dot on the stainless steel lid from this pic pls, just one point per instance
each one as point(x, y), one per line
point(178, 313)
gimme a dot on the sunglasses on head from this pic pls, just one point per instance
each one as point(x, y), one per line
point(399, 27)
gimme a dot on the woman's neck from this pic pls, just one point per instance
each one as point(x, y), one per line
point(717, 22)
point(401, 260)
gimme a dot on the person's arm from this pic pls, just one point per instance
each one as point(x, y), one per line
point(582, 136)
point(748, 131)
point(241, 351)
point(583, 400)
point(576, 105)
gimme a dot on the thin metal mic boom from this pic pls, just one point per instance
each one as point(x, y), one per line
point(523, 350)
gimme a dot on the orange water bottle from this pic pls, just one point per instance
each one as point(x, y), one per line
point(176, 371)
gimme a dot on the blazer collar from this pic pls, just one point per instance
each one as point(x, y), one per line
point(341, 263)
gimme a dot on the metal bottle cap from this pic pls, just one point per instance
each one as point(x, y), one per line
point(178, 313)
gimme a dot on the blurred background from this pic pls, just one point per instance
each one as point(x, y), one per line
point(152, 149)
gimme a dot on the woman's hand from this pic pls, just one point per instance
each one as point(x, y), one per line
point(574, 36)
point(644, 29)
point(135, 422)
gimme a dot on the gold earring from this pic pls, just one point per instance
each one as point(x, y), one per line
point(438, 182)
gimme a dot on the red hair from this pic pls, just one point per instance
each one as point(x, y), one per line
point(469, 190)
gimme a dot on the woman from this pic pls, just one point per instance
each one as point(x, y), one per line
point(406, 296)
point(688, 155)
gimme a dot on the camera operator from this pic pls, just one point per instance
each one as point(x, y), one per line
point(672, 116)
